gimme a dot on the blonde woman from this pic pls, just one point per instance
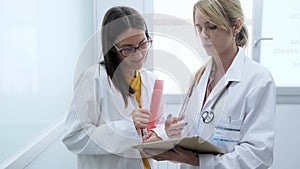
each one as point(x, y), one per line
point(241, 91)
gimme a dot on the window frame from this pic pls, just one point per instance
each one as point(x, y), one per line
point(285, 95)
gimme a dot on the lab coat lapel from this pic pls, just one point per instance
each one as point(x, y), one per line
point(208, 129)
point(193, 111)
point(235, 71)
point(118, 101)
point(146, 89)
point(217, 90)
point(234, 74)
point(132, 103)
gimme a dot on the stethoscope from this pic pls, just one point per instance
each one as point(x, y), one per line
point(208, 115)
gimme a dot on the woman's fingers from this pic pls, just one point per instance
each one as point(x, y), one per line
point(169, 120)
point(173, 127)
point(140, 118)
point(172, 120)
point(150, 137)
point(158, 154)
point(179, 118)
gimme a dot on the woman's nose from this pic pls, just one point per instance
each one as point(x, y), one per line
point(138, 53)
point(204, 34)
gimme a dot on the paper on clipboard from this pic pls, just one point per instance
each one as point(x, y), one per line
point(193, 143)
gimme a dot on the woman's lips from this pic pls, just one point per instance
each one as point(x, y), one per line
point(138, 61)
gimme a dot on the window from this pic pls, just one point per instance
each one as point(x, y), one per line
point(39, 45)
point(280, 46)
point(276, 45)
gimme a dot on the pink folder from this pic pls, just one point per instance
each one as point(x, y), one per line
point(155, 103)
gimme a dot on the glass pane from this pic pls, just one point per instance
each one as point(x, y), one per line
point(281, 21)
point(39, 45)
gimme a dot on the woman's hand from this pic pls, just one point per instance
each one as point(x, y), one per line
point(176, 154)
point(174, 127)
point(140, 118)
point(151, 136)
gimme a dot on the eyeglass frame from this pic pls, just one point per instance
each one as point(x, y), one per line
point(135, 48)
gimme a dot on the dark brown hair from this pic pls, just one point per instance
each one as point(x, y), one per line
point(116, 21)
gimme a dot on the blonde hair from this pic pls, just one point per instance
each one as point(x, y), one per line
point(223, 13)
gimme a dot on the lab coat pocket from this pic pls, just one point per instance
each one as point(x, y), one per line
point(227, 134)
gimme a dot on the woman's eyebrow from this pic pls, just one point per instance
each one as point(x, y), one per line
point(143, 40)
point(129, 45)
point(207, 23)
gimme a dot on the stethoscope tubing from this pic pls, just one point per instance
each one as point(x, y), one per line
point(208, 116)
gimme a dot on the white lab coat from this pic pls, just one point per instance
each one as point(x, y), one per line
point(99, 128)
point(244, 123)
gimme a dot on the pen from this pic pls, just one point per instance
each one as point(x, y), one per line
point(186, 100)
point(145, 132)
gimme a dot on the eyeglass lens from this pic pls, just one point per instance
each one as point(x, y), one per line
point(131, 50)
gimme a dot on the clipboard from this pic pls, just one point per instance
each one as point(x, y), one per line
point(193, 143)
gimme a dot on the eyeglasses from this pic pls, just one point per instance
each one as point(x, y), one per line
point(130, 50)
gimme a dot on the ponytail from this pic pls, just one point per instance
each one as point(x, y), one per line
point(242, 37)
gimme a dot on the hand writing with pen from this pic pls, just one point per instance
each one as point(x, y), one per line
point(141, 119)
point(174, 127)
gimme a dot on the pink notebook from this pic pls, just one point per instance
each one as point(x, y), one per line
point(155, 103)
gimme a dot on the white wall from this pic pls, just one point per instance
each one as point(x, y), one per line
point(40, 41)
point(287, 137)
point(54, 156)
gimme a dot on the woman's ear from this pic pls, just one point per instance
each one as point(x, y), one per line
point(237, 26)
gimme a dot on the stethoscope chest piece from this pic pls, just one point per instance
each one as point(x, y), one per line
point(207, 116)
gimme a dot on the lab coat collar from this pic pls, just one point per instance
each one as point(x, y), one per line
point(103, 75)
point(234, 73)
point(108, 84)
point(145, 80)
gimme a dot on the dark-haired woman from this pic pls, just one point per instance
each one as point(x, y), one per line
point(109, 112)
